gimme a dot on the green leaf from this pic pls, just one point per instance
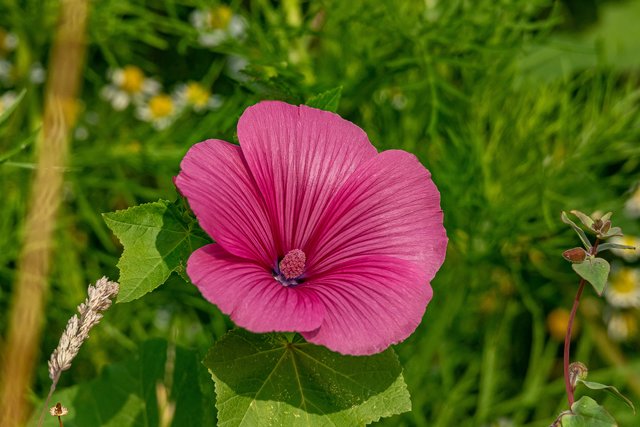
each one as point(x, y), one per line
point(268, 380)
point(610, 389)
point(606, 216)
point(157, 238)
point(594, 271)
point(328, 100)
point(6, 113)
point(126, 394)
point(613, 231)
point(584, 218)
point(578, 230)
point(587, 413)
point(20, 147)
point(606, 246)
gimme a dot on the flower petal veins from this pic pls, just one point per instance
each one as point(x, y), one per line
point(316, 232)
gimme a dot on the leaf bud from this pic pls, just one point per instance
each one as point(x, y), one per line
point(597, 225)
point(575, 255)
point(577, 371)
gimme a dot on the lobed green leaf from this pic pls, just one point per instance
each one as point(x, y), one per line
point(158, 238)
point(271, 380)
point(328, 100)
point(131, 393)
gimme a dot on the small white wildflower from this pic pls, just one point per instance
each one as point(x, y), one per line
point(161, 110)
point(235, 67)
point(623, 288)
point(196, 96)
point(6, 71)
point(6, 101)
point(37, 73)
point(399, 101)
point(622, 326)
point(81, 133)
point(8, 41)
point(632, 206)
point(129, 84)
point(217, 25)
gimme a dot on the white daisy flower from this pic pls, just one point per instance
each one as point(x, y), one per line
point(623, 288)
point(161, 110)
point(632, 206)
point(6, 101)
point(217, 25)
point(6, 70)
point(622, 326)
point(37, 73)
point(129, 84)
point(235, 67)
point(196, 96)
point(629, 255)
point(8, 41)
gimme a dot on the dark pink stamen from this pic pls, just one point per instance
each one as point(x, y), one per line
point(293, 263)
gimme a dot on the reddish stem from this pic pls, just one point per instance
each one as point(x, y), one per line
point(567, 343)
point(567, 337)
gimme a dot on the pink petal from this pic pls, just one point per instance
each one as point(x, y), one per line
point(370, 303)
point(249, 294)
point(388, 207)
point(222, 194)
point(299, 157)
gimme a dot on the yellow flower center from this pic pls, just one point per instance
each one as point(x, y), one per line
point(219, 17)
point(197, 95)
point(629, 240)
point(557, 322)
point(631, 323)
point(624, 282)
point(160, 106)
point(132, 79)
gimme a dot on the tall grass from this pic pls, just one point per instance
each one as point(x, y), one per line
point(509, 143)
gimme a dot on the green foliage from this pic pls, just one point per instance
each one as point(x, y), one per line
point(268, 379)
point(328, 100)
point(579, 231)
point(4, 115)
point(610, 389)
point(138, 391)
point(511, 134)
point(587, 413)
point(594, 271)
point(158, 238)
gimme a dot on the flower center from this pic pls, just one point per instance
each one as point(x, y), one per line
point(160, 106)
point(197, 95)
point(132, 79)
point(624, 282)
point(219, 17)
point(291, 267)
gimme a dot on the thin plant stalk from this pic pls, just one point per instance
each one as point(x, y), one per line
point(567, 338)
point(90, 312)
point(26, 310)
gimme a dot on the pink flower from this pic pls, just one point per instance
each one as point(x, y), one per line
point(316, 232)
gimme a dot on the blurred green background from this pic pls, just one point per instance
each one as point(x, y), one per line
point(520, 109)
